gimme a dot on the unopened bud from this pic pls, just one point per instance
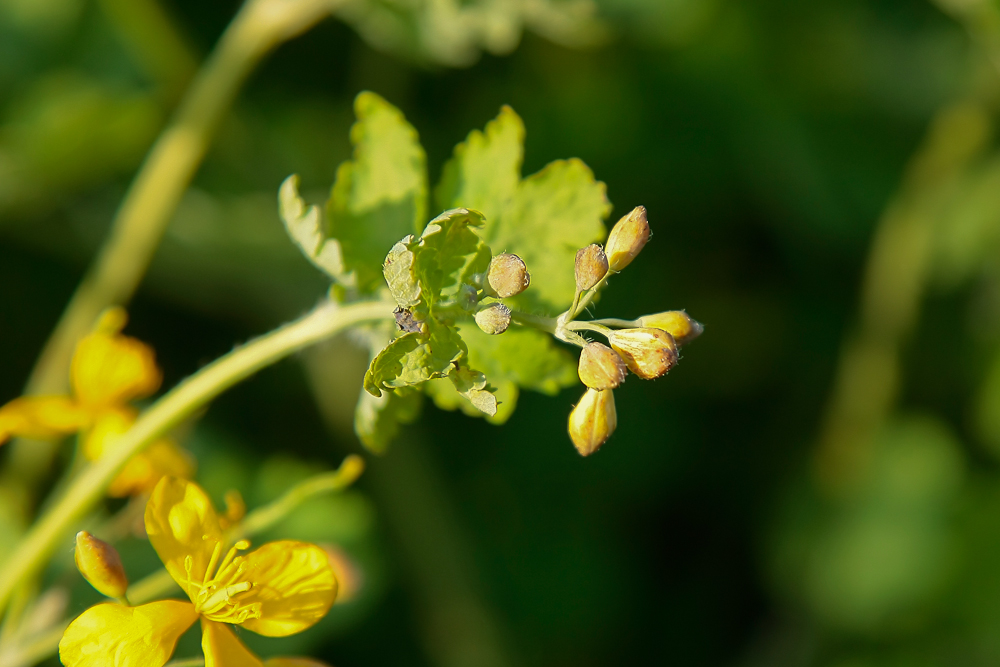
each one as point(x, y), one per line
point(507, 276)
point(677, 323)
point(494, 318)
point(601, 367)
point(100, 565)
point(627, 238)
point(591, 266)
point(592, 421)
point(649, 353)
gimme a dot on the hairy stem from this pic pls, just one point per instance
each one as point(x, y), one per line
point(154, 195)
point(178, 404)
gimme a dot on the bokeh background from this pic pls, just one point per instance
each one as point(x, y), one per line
point(816, 483)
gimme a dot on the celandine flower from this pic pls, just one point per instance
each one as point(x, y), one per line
point(107, 372)
point(280, 589)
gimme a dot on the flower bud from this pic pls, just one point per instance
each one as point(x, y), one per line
point(627, 238)
point(100, 565)
point(591, 266)
point(507, 276)
point(494, 318)
point(677, 323)
point(601, 367)
point(592, 421)
point(649, 353)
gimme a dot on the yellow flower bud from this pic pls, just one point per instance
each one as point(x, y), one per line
point(601, 367)
point(507, 276)
point(100, 565)
point(649, 353)
point(627, 238)
point(591, 266)
point(592, 421)
point(494, 318)
point(677, 323)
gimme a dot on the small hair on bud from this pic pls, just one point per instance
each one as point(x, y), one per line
point(591, 266)
point(627, 238)
point(507, 276)
point(494, 318)
point(601, 367)
point(648, 352)
point(677, 323)
point(100, 565)
point(593, 420)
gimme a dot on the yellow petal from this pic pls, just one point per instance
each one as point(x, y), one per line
point(108, 425)
point(41, 417)
point(294, 662)
point(292, 582)
point(184, 529)
point(111, 369)
point(141, 474)
point(223, 649)
point(112, 635)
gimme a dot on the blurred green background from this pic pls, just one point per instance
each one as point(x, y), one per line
point(816, 483)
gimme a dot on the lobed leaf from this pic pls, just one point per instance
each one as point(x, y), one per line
point(305, 225)
point(414, 358)
point(380, 195)
point(377, 420)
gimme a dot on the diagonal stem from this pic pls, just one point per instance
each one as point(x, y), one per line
point(177, 405)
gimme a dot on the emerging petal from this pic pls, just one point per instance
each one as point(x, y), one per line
point(141, 474)
point(111, 369)
point(41, 417)
point(223, 649)
point(184, 529)
point(113, 635)
point(293, 584)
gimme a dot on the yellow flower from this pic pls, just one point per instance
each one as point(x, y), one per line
point(108, 370)
point(280, 589)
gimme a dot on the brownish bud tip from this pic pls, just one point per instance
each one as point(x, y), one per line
point(494, 318)
point(649, 353)
point(100, 565)
point(627, 238)
point(507, 275)
point(591, 266)
point(592, 421)
point(601, 367)
point(677, 323)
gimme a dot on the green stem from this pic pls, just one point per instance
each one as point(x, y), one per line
point(580, 303)
point(546, 324)
point(271, 514)
point(151, 200)
point(615, 322)
point(588, 326)
point(177, 405)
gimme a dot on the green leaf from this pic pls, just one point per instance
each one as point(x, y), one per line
point(554, 213)
point(414, 358)
point(484, 172)
point(304, 224)
point(472, 385)
point(381, 194)
point(434, 268)
point(519, 358)
point(398, 271)
point(450, 253)
point(544, 218)
point(377, 419)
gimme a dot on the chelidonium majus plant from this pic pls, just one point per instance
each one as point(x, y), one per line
point(467, 308)
point(487, 290)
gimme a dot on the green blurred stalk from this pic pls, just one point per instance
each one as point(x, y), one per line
point(88, 488)
point(259, 27)
point(868, 373)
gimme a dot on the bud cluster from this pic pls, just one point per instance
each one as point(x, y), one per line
point(648, 346)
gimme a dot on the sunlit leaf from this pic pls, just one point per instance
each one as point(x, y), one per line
point(380, 195)
point(305, 225)
point(414, 358)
